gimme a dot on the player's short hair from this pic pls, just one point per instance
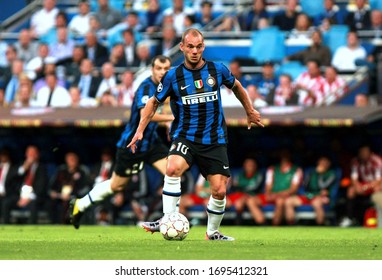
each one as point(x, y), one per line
point(161, 58)
point(192, 31)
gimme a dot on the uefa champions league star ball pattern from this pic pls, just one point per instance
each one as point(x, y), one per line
point(174, 226)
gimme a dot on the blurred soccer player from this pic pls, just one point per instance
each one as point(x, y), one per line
point(151, 150)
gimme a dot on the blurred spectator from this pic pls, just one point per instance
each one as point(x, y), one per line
point(303, 30)
point(70, 179)
point(317, 51)
point(266, 82)
point(366, 178)
point(117, 55)
point(190, 22)
point(52, 95)
point(79, 25)
point(107, 16)
point(317, 187)
point(168, 40)
point(80, 102)
point(332, 14)
point(26, 47)
point(125, 91)
point(310, 85)
point(361, 100)
point(25, 93)
point(94, 50)
point(376, 23)
point(12, 85)
point(87, 82)
point(108, 80)
point(285, 94)
point(345, 57)
point(334, 86)
point(32, 177)
point(282, 181)
point(178, 11)
point(62, 50)
point(73, 64)
point(6, 72)
point(107, 99)
point(130, 43)
point(49, 68)
point(103, 169)
point(8, 185)
point(250, 18)
point(359, 19)
point(143, 55)
point(286, 20)
point(36, 66)
point(205, 16)
point(236, 70)
point(245, 184)
point(131, 22)
point(95, 27)
point(51, 36)
point(228, 23)
point(153, 16)
point(44, 19)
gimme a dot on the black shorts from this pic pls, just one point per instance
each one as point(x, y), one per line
point(211, 159)
point(128, 163)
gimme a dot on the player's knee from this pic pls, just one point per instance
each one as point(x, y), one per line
point(218, 193)
point(173, 171)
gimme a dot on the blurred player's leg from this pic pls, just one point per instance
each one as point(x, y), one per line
point(97, 194)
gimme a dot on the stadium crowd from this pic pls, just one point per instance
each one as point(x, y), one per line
point(91, 59)
point(92, 51)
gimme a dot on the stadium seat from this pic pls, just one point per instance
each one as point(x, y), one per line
point(336, 37)
point(312, 8)
point(293, 68)
point(375, 4)
point(267, 44)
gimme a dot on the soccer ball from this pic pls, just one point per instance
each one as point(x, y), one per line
point(174, 226)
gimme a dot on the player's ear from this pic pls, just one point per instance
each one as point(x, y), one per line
point(181, 46)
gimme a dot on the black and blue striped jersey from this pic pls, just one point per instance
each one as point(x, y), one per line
point(196, 101)
point(146, 90)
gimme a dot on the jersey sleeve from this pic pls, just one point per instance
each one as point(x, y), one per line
point(164, 88)
point(227, 78)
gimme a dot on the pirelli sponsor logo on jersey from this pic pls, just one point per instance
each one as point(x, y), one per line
point(200, 98)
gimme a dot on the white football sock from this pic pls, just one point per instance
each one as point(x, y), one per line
point(171, 194)
point(215, 213)
point(97, 194)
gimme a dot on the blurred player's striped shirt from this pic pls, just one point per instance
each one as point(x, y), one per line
point(150, 136)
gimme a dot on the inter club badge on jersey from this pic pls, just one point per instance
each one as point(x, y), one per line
point(198, 84)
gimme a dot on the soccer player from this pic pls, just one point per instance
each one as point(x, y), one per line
point(198, 131)
point(151, 149)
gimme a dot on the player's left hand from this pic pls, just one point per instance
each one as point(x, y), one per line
point(254, 118)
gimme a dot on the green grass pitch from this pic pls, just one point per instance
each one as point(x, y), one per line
point(45, 242)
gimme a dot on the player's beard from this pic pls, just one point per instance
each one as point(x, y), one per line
point(193, 62)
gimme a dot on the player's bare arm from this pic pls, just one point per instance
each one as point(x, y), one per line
point(159, 117)
point(147, 113)
point(253, 116)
